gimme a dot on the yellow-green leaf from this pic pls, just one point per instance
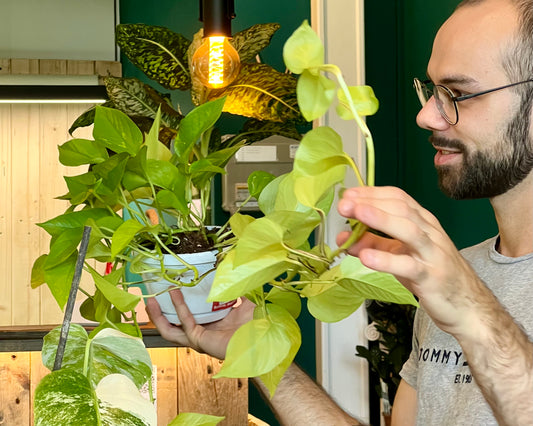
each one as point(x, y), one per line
point(363, 99)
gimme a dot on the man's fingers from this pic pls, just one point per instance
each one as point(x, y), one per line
point(184, 314)
point(167, 330)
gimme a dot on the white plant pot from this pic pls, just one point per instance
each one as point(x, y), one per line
point(195, 297)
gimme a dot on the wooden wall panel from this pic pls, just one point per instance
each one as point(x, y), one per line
point(165, 361)
point(188, 376)
point(31, 177)
point(25, 173)
point(59, 67)
point(15, 389)
point(5, 215)
point(199, 392)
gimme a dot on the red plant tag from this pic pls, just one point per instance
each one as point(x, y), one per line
point(218, 306)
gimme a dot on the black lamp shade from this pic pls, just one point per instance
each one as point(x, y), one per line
point(216, 16)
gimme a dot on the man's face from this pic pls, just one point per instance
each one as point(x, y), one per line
point(489, 150)
point(487, 173)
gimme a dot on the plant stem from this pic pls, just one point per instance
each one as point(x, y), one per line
point(358, 230)
point(188, 265)
point(360, 122)
point(305, 254)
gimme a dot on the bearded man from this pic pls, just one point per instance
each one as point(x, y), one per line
point(472, 359)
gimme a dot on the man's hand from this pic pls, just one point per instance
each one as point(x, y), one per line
point(419, 254)
point(210, 338)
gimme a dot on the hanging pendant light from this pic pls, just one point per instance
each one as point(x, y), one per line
point(216, 63)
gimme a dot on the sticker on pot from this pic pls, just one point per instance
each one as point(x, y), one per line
point(218, 306)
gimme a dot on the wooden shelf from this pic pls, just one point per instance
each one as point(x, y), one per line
point(30, 338)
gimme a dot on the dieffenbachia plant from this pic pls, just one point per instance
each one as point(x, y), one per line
point(272, 262)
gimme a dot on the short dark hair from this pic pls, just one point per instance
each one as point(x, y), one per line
point(518, 60)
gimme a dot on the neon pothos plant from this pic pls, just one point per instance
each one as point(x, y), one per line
point(272, 262)
point(127, 171)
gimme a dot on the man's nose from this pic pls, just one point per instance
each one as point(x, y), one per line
point(430, 117)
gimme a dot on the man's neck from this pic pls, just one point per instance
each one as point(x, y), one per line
point(514, 215)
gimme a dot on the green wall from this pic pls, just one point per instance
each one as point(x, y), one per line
point(181, 16)
point(399, 37)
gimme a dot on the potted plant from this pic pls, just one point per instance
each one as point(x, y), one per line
point(161, 161)
point(389, 334)
point(269, 259)
point(264, 95)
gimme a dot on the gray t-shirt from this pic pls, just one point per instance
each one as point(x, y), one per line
point(446, 391)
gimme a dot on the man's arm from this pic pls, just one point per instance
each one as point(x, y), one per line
point(425, 260)
point(405, 406)
point(500, 356)
point(299, 401)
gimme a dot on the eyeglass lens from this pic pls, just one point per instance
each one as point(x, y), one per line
point(443, 99)
point(445, 104)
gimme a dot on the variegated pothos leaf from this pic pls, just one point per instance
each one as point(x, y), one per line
point(87, 118)
point(157, 51)
point(261, 92)
point(251, 41)
point(198, 90)
point(137, 99)
point(255, 130)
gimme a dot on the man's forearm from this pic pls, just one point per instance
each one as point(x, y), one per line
point(500, 356)
point(299, 401)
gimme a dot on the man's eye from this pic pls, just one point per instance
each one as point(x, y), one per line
point(457, 93)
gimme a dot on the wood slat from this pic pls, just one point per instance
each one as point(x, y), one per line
point(37, 372)
point(52, 66)
point(165, 360)
point(52, 133)
point(15, 389)
point(108, 68)
point(24, 66)
point(80, 68)
point(59, 67)
point(199, 392)
point(5, 66)
point(25, 131)
point(5, 215)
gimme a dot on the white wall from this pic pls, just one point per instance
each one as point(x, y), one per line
point(340, 24)
point(57, 29)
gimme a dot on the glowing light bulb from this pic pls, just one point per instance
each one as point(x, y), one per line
point(216, 62)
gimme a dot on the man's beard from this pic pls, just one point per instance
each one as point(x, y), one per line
point(486, 174)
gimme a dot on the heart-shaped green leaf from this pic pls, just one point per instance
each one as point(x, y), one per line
point(116, 131)
point(363, 98)
point(303, 50)
point(77, 152)
point(315, 94)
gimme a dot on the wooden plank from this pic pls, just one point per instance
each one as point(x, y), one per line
point(24, 66)
point(37, 372)
point(52, 133)
point(14, 389)
point(53, 66)
point(167, 384)
point(106, 68)
point(5, 66)
point(5, 215)
point(25, 133)
point(80, 67)
point(198, 392)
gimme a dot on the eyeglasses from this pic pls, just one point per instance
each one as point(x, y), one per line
point(445, 99)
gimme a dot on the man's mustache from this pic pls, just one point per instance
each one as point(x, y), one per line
point(452, 144)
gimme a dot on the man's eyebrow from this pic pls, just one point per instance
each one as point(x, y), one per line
point(456, 79)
